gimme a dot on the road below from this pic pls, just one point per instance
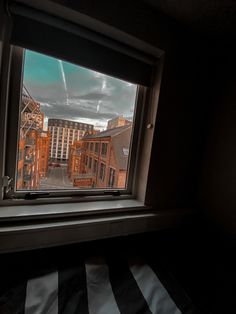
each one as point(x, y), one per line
point(56, 179)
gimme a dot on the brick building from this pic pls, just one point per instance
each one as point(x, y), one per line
point(116, 122)
point(101, 160)
point(74, 159)
point(33, 147)
point(43, 144)
point(64, 133)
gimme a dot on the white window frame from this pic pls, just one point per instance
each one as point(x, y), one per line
point(16, 77)
point(42, 222)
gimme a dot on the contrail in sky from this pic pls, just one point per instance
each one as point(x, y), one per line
point(98, 105)
point(104, 86)
point(64, 81)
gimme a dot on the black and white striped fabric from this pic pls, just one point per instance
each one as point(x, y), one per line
point(95, 286)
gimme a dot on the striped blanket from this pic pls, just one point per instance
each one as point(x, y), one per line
point(94, 286)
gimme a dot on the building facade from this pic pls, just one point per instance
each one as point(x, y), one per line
point(64, 133)
point(74, 159)
point(116, 122)
point(102, 159)
point(33, 146)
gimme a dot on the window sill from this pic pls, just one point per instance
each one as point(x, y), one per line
point(17, 211)
point(28, 227)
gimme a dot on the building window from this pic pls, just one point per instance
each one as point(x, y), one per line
point(102, 171)
point(97, 145)
point(104, 149)
point(95, 166)
point(138, 69)
point(90, 163)
point(111, 180)
point(130, 72)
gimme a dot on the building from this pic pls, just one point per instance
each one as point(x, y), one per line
point(33, 147)
point(116, 122)
point(74, 159)
point(63, 133)
point(43, 143)
point(101, 160)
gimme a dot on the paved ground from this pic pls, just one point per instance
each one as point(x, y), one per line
point(56, 179)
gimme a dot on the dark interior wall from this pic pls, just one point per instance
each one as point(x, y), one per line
point(217, 184)
point(2, 19)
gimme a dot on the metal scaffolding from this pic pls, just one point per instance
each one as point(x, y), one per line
point(28, 104)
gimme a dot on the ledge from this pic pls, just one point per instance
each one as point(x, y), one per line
point(46, 211)
point(22, 229)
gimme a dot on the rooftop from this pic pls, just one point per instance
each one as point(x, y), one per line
point(109, 133)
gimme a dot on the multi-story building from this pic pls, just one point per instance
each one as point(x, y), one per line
point(116, 122)
point(64, 133)
point(33, 147)
point(100, 161)
point(74, 158)
point(43, 144)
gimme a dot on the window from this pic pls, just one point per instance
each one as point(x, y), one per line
point(111, 177)
point(90, 163)
point(38, 64)
point(86, 160)
point(126, 151)
point(39, 72)
point(112, 55)
point(102, 171)
point(95, 166)
point(97, 145)
point(104, 149)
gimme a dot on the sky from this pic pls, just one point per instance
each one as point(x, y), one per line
point(71, 92)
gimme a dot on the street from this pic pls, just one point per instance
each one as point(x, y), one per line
point(56, 179)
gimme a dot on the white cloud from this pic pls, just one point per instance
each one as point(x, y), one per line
point(45, 104)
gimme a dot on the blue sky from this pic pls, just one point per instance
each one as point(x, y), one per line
point(72, 92)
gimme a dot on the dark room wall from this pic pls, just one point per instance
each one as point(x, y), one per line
point(217, 184)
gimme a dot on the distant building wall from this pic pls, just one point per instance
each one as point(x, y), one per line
point(122, 178)
point(20, 166)
point(64, 133)
point(33, 146)
point(74, 159)
point(43, 142)
point(116, 122)
point(98, 160)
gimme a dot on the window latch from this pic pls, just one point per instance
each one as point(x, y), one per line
point(7, 184)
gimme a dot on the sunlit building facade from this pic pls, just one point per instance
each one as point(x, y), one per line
point(33, 148)
point(64, 133)
point(116, 122)
point(102, 159)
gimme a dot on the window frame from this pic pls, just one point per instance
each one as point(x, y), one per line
point(72, 218)
point(16, 79)
point(140, 116)
point(145, 100)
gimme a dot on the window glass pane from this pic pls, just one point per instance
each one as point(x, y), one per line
point(70, 115)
